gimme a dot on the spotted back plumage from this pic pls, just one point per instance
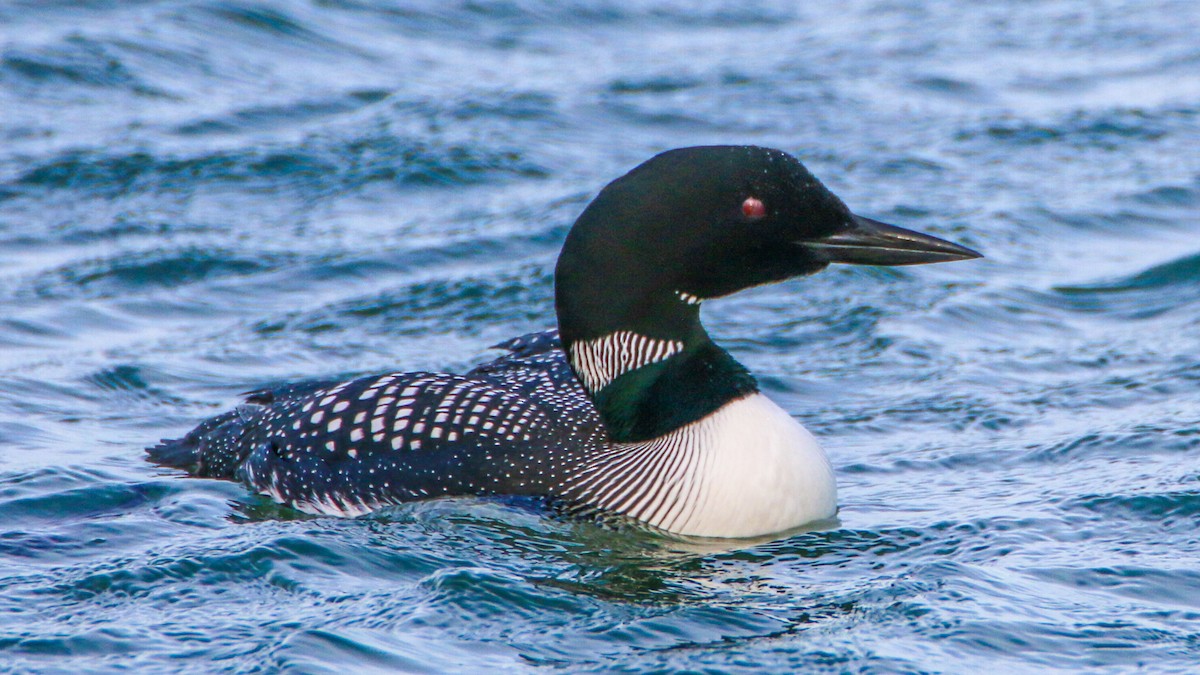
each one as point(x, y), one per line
point(516, 425)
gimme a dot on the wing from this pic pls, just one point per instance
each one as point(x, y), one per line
point(515, 425)
point(537, 366)
point(511, 426)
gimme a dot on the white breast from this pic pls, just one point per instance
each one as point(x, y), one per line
point(748, 469)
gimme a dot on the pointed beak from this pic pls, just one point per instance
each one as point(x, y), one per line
point(870, 242)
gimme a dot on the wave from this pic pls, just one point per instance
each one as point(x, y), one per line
point(1159, 289)
point(320, 166)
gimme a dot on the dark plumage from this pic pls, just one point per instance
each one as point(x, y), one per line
point(506, 427)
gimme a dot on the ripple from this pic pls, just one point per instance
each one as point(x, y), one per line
point(100, 643)
point(1108, 130)
point(466, 19)
point(1161, 508)
point(77, 61)
point(282, 115)
point(344, 166)
point(653, 85)
point(89, 501)
point(1167, 287)
point(262, 19)
point(164, 268)
point(953, 87)
point(418, 308)
point(1170, 195)
point(1144, 440)
point(1179, 587)
point(358, 649)
point(129, 382)
point(478, 594)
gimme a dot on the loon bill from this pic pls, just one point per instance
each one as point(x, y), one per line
point(629, 408)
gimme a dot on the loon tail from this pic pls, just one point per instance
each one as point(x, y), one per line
point(210, 449)
point(178, 453)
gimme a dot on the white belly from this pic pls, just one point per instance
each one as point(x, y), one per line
point(763, 473)
point(748, 469)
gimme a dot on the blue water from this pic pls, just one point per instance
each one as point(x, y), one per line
point(203, 197)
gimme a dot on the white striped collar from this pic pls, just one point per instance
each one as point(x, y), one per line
point(598, 362)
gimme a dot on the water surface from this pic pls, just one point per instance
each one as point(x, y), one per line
point(202, 197)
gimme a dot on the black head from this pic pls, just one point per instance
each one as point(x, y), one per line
point(698, 223)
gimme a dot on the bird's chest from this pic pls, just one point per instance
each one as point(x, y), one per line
point(748, 469)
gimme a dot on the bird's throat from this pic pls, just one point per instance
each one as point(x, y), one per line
point(658, 386)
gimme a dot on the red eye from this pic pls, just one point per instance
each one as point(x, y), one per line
point(753, 208)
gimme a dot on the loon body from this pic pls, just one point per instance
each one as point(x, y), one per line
point(628, 408)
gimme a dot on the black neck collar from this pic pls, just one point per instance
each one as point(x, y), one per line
point(660, 397)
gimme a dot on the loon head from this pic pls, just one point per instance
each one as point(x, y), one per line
point(689, 225)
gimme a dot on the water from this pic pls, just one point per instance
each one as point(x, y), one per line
point(198, 198)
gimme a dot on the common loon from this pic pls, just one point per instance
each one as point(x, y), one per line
point(629, 408)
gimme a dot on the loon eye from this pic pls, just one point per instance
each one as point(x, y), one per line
point(753, 208)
